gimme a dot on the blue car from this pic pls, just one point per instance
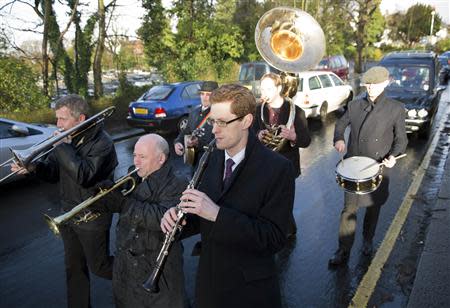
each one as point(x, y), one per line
point(165, 107)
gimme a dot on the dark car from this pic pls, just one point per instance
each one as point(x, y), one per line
point(444, 75)
point(414, 80)
point(336, 64)
point(250, 75)
point(165, 107)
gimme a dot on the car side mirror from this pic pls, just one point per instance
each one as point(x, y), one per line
point(20, 130)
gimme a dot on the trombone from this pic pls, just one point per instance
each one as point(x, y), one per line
point(26, 157)
point(54, 223)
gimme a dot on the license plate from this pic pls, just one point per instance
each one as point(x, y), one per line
point(140, 111)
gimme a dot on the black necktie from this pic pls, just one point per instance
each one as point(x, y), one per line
point(228, 171)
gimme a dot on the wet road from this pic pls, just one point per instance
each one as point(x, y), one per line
point(31, 257)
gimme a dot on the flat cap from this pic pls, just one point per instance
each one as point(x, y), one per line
point(376, 74)
point(208, 86)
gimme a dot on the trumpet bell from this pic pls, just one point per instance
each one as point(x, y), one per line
point(51, 224)
point(290, 39)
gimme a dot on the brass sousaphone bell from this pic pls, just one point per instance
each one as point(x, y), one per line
point(292, 41)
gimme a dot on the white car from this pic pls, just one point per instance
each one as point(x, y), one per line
point(320, 93)
point(18, 136)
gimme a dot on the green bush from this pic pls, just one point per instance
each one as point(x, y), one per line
point(19, 91)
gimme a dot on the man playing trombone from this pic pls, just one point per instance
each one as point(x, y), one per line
point(77, 164)
point(139, 236)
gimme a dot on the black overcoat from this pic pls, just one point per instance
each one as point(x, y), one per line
point(139, 240)
point(237, 267)
point(290, 151)
point(377, 130)
point(89, 159)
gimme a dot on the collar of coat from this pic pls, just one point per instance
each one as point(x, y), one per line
point(88, 135)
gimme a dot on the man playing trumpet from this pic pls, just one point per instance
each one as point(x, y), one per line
point(77, 165)
point(139, 236)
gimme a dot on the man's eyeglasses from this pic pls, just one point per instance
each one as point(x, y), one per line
point(221, 123)
point(205, 93)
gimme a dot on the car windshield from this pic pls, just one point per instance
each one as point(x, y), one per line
point(322, 64)
point(247, 73)
point(409, 77)
point(157, 92)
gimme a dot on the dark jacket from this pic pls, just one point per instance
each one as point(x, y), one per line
point(139, 239)
point(89, 159)
point(196, 116)
point(237, 267)
point(289, 151)
point(376, 131)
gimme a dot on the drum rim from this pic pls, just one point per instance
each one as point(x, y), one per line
point(359, 180)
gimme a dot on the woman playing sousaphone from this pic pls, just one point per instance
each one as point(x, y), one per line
point(272, 118)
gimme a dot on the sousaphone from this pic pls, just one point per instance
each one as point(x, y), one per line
point(292, 41)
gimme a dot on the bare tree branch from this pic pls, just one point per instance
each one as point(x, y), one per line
point(7, 4)
point(74, 11)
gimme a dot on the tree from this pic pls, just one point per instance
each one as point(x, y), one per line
point(361, 14)
point(415, 24)
point(97, 65)
point(18, 85)
point(156, 35)
point(246, 16)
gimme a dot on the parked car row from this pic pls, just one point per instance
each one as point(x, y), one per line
point(17, 135)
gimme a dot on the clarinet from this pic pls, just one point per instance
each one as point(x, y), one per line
point(151, 285)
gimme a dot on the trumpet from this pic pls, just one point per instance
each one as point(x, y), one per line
point(26, 157)
point(54, 223)
point(151, 285)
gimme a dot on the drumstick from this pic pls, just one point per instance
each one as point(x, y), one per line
point(381, 164)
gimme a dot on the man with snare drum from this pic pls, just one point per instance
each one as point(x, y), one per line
point(377, 131)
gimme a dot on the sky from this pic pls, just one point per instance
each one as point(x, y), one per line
point(128, 14)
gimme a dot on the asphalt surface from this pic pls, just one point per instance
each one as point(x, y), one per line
point(31, 258)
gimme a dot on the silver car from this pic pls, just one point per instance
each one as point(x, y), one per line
point(19, 135)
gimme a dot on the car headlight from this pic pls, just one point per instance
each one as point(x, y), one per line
point(412, 113)
point(422, 113)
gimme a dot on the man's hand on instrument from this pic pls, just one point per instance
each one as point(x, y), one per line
point(15, 167)
point(340, 146)
point(198, 203)
point(288, 133)
point(192, 142)
point(262, 133)
point(179, 149)
point(169, 219)
point(390, 161)
point(64, 140)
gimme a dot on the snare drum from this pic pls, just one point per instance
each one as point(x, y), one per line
point(352, 176)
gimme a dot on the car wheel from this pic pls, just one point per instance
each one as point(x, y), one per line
point(323, 111)
point(182, 123)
